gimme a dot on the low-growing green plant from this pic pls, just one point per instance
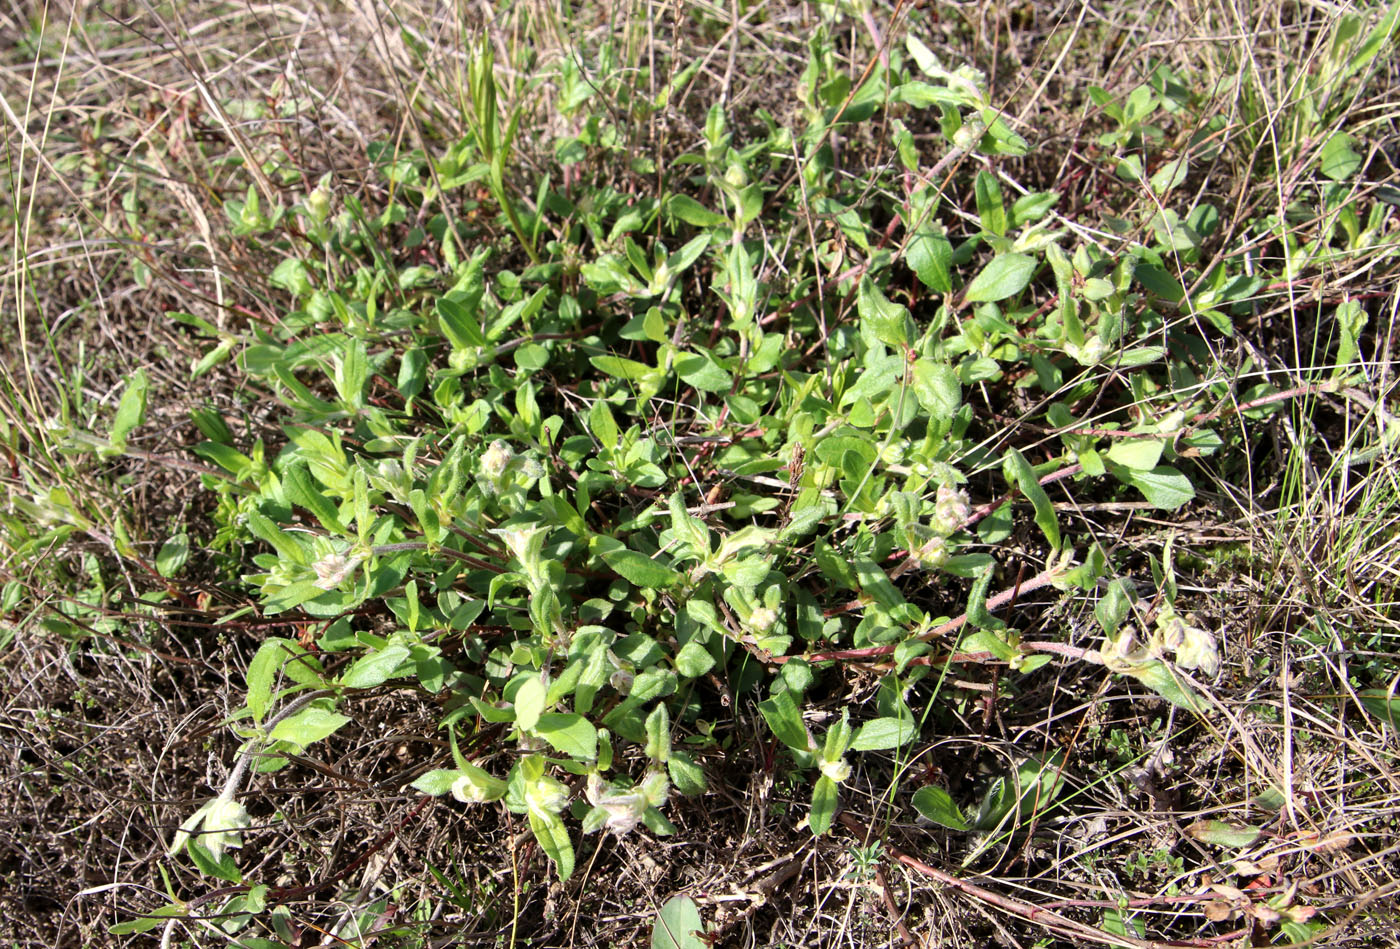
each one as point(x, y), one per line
point(593, 459)
point(513, 472)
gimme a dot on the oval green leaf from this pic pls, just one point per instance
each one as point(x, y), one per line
point(640, 570)
point(1005, 276)
point(936, 805)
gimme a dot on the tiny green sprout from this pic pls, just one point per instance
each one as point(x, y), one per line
point(865, 861)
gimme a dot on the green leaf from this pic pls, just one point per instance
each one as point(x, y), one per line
point(658, 729)
point(459, 325)
point(1159, 677)
point(1115, 923)
point(693, 212)
point(262, 674)
point(1003, 277)
point(977, 612)
point(1141, 454)
point(628, 370)
point(678, 926)
point(640, 570)
point(1032, 787)
point(886, 320)
point(694, 660)
point(1157, 281)
point(1221, 834)
point(701, 371)
point(875, 582)
point(1114, 607)
point(301, 491)
point(224, 867)
point(785, 721)
point(1032, 207)
point(603, 426)
point(231, 460)
point(131, 411)
point(935, 804)
point(172, 555)
point(375, 668)
point(681, 260)
point(1164, 487)
point(937, 387)
point(490, 713)
point(1383, 704)
point(999, 138)
point(824, 798)
point(308, 726)
point(436, 783)
point(688, 529)
point(1338, 159)
point(930, 256)
point(554, 840)
point(570, 734)
point(530, 702)
point(1169, 176)
point(351, 371)
point(1018, 471)
point(156, 917)
point(1351, 320)
point(989, 204)
point(686, 776)
point(881, 734)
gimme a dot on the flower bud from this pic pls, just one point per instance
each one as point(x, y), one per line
point(933, 554)
point(950, 510)
point(333, 569)
point(621, 680)
point(1195, 648)
point(546, 795)
point(761, 620)
point(1090, 354)
point(223, 826)
point(970, 134)
point(657, 788)
point(477, 786)
point(527, 545)
point(318, 204)
point(495, 458)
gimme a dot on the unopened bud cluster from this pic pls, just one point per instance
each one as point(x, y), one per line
point(930, 547)
point(1175, 638)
